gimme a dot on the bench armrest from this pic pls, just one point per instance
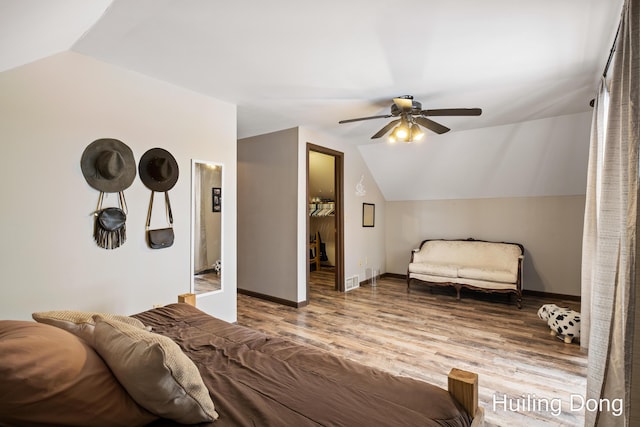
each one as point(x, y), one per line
point(413, 252)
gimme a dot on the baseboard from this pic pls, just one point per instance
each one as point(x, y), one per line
point(384, 275)
point(551, 295)
point(395, 276)
point(525, 292)
point(273, 299)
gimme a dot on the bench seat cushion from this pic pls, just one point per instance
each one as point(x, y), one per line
point(489, 274)
point(455, 272)
point(434, 269)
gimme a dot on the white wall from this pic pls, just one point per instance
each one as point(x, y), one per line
point(50, 110)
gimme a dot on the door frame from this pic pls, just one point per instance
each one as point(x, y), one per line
point(339, 213)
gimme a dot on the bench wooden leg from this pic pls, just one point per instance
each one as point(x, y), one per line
point(458, 288)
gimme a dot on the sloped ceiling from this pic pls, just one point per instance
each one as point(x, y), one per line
point(33, 29)
point(289, 63)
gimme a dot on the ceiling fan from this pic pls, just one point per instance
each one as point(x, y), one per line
point(406, 128)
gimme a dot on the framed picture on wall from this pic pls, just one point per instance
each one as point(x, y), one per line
point(216, 204)
point(368, 214)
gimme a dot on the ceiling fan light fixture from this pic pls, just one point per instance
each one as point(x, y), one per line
point(416, 133)
point(392, 138)
point(402, 132)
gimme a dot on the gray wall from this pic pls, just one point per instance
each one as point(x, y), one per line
point(549, 228)
point(267, 214)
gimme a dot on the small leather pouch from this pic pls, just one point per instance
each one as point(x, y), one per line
point(162, 237)
point(111, 219)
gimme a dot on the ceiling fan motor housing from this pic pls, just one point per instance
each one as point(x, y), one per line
point(416, 109)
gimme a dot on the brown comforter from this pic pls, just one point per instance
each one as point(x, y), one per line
point(257, 380)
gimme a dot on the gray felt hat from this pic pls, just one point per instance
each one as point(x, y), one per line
point(158, 169)
point(108, 165)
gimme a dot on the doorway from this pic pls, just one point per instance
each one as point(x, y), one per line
point(325, 219)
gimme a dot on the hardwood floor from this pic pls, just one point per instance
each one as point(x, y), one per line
point(527, 377)
point(206, 282)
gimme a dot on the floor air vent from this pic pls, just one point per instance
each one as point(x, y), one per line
point(351, 283)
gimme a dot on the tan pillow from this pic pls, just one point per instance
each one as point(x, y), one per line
point(155, 372)
point(80, 323)
point(51, 377)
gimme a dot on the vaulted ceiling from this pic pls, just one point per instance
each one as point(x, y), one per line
point(288, 63)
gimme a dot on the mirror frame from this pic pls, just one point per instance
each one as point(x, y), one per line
point(195, 162)
point(368, 215)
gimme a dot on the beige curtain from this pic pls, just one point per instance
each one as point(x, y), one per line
point(594, 186)
point(635, 379)
point(609, 245)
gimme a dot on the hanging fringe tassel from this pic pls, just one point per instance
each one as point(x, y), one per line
point(109, 239)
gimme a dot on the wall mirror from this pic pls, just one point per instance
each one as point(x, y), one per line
point(207, 266)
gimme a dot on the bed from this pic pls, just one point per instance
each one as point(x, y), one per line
point(247, 377)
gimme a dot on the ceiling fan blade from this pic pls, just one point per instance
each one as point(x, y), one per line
point(405, 103)
point(386, 129)
point(384, 116)
point(453, 112)
point(431, 125)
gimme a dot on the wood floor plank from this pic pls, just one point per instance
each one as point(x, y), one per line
point(426, 332)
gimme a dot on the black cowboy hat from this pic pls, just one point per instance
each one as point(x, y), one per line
point(158, 170)
point(108, 165)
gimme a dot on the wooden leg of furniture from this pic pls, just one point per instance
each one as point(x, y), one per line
point(463, 387)
point(188, 299)
point(458, 288)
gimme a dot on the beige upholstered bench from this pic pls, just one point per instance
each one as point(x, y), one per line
point(474, 264)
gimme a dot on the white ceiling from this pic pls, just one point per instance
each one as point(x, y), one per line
point(33, 29)
point(289, 63)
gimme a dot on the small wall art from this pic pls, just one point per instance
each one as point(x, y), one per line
point(216, 194)
point(368, 214)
